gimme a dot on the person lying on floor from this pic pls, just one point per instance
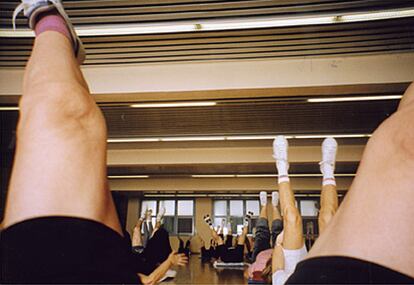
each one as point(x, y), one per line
point(153, 262)
point(210, 254)
point(229, 254)
point(185, 249)
point(261, 268)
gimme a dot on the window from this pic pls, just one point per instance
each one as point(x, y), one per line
point(179, 215)
point(233, 211)
point(308, 208)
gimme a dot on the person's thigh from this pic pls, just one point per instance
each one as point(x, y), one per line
point(379, 207)
point(60, 170)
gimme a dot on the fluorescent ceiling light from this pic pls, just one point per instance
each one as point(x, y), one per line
point(173, 104)
point(320, 175)
point(229, 138)
point(235, 138)
point(181, 139)
point(332, 136)
point(264, 175)
point(9, 108)
point(217, 25)
point(255, 175)
point(350, 99)
point(132, 140)
point(254, 137)
point(127, 176)
point(213, 176)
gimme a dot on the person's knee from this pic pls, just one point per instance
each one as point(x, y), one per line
point(394, 136)
point(292, 216)
point(63, 107)
point(326, 215)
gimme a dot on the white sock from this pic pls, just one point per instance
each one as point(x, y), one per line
point(328, 174)
point(282, 170)
point(275, 198)
point(329, 181)
point(263, 198)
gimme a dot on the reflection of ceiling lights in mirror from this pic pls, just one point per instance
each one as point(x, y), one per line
point(218, 25)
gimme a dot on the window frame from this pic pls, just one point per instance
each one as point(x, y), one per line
point(175, 225)
point(228, 216)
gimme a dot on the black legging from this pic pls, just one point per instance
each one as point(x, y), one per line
point(184, 249)
point(157, 251)
point(231, 254)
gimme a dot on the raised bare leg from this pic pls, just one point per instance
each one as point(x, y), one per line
point(60, 161)
point(381, 194)
point(263, 205)
point(242, 238)
point(277, 224)
point(329, 195)
point(275, 211)
point(136, 235)
point(292, 221)
point(160, 216)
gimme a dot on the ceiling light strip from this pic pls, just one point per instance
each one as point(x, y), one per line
point(352, 99)
point(132, 140)
point(173, 104)
point(218, 25)
point(127, 176)
point(4, 108)
point(181, 139)
point(303, 175)
point(233, 175)
point(222, 195)
point(233, 138)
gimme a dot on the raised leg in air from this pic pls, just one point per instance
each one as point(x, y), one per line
point(292, 221)
point(61, 135)
point(329, 195)
point(381, 194)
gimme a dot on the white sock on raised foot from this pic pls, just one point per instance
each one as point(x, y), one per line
point(161, 212)
point(280, 154)
point(327, 165)
point(275, 198)
point(263, 198)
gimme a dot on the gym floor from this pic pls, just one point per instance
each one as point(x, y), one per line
point(197, 272)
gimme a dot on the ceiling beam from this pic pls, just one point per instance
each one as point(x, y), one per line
point(220, 184)
point(222, 155)
point(241, 74)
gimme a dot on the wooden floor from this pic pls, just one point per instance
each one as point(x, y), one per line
point(204, 273)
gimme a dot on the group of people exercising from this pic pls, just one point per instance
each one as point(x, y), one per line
point(278, 249)
point(59, 198)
